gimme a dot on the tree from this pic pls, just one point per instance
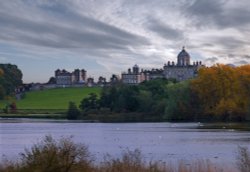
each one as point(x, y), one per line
point(179, 102)
point(1, 72)
point(90, 102)
point(52, 80)
point(108, 96)
point(157, 87)
point(145, 101)
point(129, 94)
point(10, 79)
point(73, 112)
point(223, 91)
point(2, 92)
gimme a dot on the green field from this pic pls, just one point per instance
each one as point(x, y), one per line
point(53, 99)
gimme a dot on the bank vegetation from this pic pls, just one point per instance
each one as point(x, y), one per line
point(64, 155)
point(218, 93)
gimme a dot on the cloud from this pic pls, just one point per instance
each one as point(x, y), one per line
point(95, 35)
point(2, 59)
point(229, 42)
point(219, 13)
point(164, 30)
point(237, 17)
point(202, 12)
point(211, 60)
point(247, 56)
point(66, 29)
point(114, 35)
point(205, 9)
point(241, 62)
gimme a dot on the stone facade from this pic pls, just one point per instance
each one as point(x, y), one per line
point(180, 73)
point(182, 70)
point(64, 77)
point(133, 77)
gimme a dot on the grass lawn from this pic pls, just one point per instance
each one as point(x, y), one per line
point(54, 98)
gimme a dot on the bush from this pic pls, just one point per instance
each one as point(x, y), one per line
point(13, 107)
point(243, 159)
point(53, 156)
point(6, 109)
point(131, 161)
point(134, 161)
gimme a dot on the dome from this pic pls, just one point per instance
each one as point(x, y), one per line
point(183, 58)
point(183, 53)
point(136, 66)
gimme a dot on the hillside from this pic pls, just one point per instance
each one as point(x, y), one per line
point(54, 98)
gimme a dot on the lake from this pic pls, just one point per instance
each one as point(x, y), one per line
point(157, 141)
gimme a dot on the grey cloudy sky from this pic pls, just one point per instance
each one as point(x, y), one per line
point(106, 37)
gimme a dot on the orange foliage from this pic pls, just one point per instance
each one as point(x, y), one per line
point(1, 72)
point(223, 90)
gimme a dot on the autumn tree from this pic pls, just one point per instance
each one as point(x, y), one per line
point(223, 91)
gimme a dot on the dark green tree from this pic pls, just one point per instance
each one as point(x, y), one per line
point(107, 97)
point(52, 80)
point(10, 79)
point(73, 112)
point(90, 102)
point(179, 102)
point(157, 87)
point(2, 92)
point(145, 101)
point(130, 95)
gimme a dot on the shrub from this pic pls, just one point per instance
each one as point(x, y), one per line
point(53, 156)
point(6, 109)
point(13, 107)
point(243, 159)
point(131, 161)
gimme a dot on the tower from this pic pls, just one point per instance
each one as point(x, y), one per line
point(57, 72)
point(76, 75)
point(83, 75)
point(136, 69)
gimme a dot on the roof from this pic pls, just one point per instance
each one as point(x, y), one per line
point(183, 53)
point(136, 66)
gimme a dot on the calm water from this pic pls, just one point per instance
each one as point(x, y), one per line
point(157, 141)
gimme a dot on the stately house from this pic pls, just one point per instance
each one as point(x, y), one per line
point(182, 70)
point(64, 77)
point(133, 76)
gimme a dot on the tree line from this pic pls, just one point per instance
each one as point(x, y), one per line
point(220, 92)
